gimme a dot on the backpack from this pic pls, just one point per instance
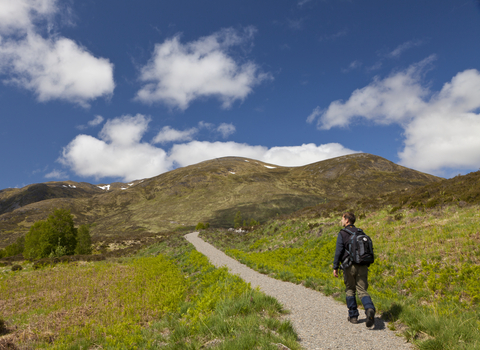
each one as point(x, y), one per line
point(360, 249)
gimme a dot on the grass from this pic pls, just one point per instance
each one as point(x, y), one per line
point(168, 296)
point(425, 278)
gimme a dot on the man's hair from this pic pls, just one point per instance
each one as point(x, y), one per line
point(350, 217)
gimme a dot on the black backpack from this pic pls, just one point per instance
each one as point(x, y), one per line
point(359, 249)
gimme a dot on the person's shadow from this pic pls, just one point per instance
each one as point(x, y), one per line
point(389, 315)
point(377, 326)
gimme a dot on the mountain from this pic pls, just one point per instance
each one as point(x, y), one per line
point(211, 191)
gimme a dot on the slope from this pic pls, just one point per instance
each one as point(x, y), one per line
point(213, 191)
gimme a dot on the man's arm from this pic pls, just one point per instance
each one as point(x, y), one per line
point(338, 253)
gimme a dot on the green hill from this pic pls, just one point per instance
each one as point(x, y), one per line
point(211, 191)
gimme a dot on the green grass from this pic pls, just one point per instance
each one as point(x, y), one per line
point(168, 296)
point(425, 275)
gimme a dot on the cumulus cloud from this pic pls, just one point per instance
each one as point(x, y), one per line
point(96, 121)
point(119, 152)
point(441, 128)
point(179, 73)
point(197, 151)
point(20, 14)
point(167, 134)
point(226, 130)
point(92, 123)
point(53, 67)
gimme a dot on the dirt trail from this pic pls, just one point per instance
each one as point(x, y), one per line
point(320, 321)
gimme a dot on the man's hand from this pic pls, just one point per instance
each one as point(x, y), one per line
point(335, 273)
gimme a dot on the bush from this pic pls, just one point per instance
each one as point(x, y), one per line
point(17, 267)
point(14, 249)
point(237, 220)
point(84, 241)
point(54, 236)
point(202, 226)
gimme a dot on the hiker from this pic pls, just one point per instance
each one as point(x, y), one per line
point(355, 276)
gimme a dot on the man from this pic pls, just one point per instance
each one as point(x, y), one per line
point(355, 276)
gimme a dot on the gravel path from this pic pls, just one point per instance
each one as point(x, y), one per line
point(320, 321)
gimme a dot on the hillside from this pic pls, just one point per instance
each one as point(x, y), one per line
point(211, 191)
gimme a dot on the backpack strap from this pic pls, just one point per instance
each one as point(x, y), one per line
point(347, 230)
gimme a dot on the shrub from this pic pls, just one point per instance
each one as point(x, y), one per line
point(237, 221)
point(14, 249)
point(46, 237)
point(253, 223)
point(17, 267)
point(84, 241)
point(200, 226)
point(432, 203)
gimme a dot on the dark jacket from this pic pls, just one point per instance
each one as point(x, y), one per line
point(341, 249)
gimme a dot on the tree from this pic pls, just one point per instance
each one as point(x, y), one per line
point(14, 248)
point(84, 241)
point(35, 247)
point(55, 235)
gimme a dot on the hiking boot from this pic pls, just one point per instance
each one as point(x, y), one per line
point(370, 317)
point(353, 320)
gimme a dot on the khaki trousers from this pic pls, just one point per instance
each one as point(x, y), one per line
point(356, 280)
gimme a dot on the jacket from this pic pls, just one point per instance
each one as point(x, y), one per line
point(341, 251)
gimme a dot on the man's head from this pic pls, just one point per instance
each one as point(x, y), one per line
point(348, 219)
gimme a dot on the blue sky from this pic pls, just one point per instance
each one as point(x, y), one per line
point(103, 91)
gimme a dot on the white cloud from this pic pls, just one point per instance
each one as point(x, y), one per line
point(92, 123)
point(197, 151)
point(441, 129)
point(119, 152)
point(167, 134)
point(56, 174)
point(96, 121)
point(226, 129)
point(397, 98)
point(317, 111)
point(54, 67)
point(126, 130)
point(403, 47)
point(179, 73)
point(19, 15)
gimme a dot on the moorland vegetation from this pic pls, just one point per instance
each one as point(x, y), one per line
point(167, 296)
point(212, 191)
point(54, 237)
point(146, 287)
point(425, 277)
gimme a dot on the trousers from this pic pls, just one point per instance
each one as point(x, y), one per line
point(356, 281)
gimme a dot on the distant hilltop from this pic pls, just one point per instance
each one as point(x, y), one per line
point(211, 191)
